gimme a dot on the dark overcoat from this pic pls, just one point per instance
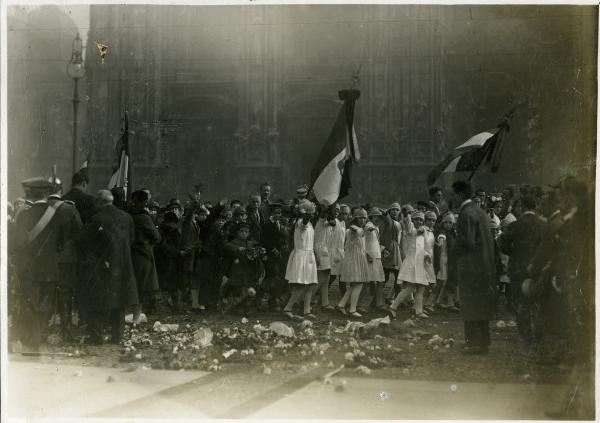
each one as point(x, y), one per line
point(475, 264)
point(255, 220)
point(69, 225)
point(142, 250)
point(83, 202)
point(190, 236)
point(519, 242)
point(106, 266)
point(169, 261)
point(275, 242)
point(243, 267)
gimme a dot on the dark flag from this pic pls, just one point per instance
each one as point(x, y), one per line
point(331, 175)
point(83, 170)
point(468, 157)
point(122, 167)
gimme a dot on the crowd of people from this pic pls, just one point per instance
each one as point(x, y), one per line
point(102, 256)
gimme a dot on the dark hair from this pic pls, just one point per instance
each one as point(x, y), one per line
point(233, 202)
point(79, 178)
point(528, 202)
point(265, 184)
point(434, 190)
point(463, 187)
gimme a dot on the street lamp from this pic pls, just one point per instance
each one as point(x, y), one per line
point(76, 70)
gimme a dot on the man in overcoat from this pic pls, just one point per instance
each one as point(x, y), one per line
point(475, 270)
point(275, 242)
point(142, 250)
point(69, 225)
point(108, 282)
point(83, 201)
point(256, 219)
point(519, 242)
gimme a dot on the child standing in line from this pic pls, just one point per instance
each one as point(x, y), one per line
point(413, 270)
point(354, 267)
point(301, 270)
point(375, 250)
point(445, 284)
point(430, 221)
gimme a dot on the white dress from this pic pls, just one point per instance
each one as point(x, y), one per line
point(354, 266)
point(375, 271)
point(336, 247)
point(302, 266)
point(443, 272)
point(429, 245)
point(321, 247)
point(412, 268)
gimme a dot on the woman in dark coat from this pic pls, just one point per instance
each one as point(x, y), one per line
point(142, 250)
point(475, 270)
point(106, 267)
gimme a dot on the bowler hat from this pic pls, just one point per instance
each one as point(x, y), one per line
point(140, 196)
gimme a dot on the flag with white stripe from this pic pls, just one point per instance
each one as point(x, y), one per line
point(121, 167)
point(468, 157)
point(331, 175)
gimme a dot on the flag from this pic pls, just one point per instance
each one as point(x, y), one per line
point(331, 174)
point(467, 157)
point(122, 167)
point(83, 170)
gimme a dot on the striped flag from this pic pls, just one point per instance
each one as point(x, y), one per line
point(467, 157)
point(122, 167)
point(331, 175)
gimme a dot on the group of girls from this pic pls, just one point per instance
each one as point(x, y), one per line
point(367, 248)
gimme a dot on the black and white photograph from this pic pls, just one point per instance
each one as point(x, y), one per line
point(303, 210)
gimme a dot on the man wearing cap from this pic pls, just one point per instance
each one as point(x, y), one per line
point(519, 242)
point(475, 270)
point(35, 245)
point(142, 250)
point(108, 285)
point(83, 202)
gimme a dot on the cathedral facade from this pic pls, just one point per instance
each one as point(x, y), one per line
point(233, 96)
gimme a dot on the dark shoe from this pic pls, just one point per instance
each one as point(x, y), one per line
point(309, 316)
point(342, 310)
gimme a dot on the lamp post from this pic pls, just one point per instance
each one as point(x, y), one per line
point(76, 70)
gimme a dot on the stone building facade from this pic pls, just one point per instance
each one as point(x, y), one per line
point(233, 96)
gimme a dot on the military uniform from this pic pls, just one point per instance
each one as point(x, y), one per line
point(35, 239)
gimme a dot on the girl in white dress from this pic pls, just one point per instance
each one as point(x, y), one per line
point(375, 272)
point(354, 267)
point(328, 234)
point(413, 269)
point(301, 269)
